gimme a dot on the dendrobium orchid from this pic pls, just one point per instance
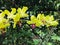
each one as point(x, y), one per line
point(22, 12)
point(47, 20)
point(17, 14)
point(35, 21)
point(4, 23)
point(42, 20)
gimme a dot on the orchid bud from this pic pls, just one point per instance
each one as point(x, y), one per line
point(33, 26)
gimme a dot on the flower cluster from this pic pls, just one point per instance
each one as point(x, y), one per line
point(14, 14)
point(17, 14)
point(42, 20)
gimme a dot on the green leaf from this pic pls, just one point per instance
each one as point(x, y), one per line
point(56, 38)
point(36, 41)
point(49, 43)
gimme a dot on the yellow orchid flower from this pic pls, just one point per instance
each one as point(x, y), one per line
point(54, 23)
point(16, 18)
point(35, 21)
point(6, 12)
point(22, 12)
point(13, 10)
point(41, 17)
point(47, 20)
point(4, 23)
point(50, 21)
point(12, 13)
point(2, 14)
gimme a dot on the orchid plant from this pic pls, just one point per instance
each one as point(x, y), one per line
point(15, 16)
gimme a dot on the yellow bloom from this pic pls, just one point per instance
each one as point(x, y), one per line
point(35, 21)
point(54, 23)
point(22, 12)
point(4, 23)
point(13, 10)
point(41, 18)
point(6, 12)
point(12, 13)
point(50, 21)
point(16, 18)
point(2, 14)
point(47, 20)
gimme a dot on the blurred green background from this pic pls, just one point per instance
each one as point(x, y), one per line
point(51, 5)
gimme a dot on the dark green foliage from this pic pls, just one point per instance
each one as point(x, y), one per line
point(32, 4)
